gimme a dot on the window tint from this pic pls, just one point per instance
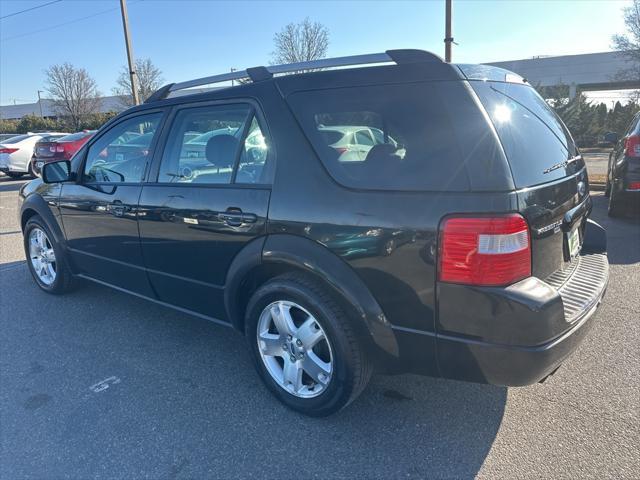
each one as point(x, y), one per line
point(76, 136)
point(115, 158)
point(210, 156)
point(535, 140)
point(51, 138)
point(415, 146)
point(253, 167)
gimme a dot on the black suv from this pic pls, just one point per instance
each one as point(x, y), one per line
point(407, 216)
point(623, 172)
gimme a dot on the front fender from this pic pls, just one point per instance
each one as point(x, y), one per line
point(41, 199)
point(307, 255)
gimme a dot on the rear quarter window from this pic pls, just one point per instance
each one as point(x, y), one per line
point(414, 146)
point(536, 142)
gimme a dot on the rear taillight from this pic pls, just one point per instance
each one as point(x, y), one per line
point(8, 150)
point(633, 186)
point(487, 251)
point(632, 146)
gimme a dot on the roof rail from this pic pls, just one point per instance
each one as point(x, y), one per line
point(257, 74)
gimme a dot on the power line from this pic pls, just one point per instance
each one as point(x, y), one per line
point(29, 9)
point(59, 25)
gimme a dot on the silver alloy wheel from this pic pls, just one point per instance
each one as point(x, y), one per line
point(42, 256)
point(295, 349)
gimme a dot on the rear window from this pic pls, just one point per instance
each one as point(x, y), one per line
point(75, 136)
point(17, 139)
point(387, 137)
point(536, 142)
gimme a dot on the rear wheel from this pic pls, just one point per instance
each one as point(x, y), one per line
point(32, 169)
point(304, 347)
point(45, 258)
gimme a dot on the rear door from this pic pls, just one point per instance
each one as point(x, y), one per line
point(205, 204)
point(547, 169)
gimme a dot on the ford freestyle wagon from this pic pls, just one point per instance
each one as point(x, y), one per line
point(397, 214)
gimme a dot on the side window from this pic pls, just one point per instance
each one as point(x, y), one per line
point(121, 154)
point(253, 166)
point(204, 143)
point(363, 137)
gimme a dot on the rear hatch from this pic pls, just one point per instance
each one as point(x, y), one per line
point(548, 171)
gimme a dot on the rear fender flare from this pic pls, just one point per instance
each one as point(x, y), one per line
point(298, 253)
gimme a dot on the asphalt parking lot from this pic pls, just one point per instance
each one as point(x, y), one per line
point(98, 384)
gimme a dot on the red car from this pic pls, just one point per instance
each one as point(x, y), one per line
point(62, 148)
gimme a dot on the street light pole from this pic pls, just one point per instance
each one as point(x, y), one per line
point(40, 104)
point(127, 39)
point(448, 38)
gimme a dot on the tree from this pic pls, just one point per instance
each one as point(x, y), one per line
point(74, 93)
point(301, 42)
point(149, 80)
point(629, 44)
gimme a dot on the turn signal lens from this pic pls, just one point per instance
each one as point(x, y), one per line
point(489, 251)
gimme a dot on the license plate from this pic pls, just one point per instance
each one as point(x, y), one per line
point(39, 164)
point(574, 242)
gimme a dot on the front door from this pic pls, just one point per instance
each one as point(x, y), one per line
point(210, 199)
point(99, 212)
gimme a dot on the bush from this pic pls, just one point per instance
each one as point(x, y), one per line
point(8, 126)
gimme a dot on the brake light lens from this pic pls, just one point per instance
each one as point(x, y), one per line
point(632, 146)
point(8, 150)
point(634, 186)
point(488, 251)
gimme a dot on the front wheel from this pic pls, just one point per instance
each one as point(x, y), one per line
point(45, 258)
point(304, 346)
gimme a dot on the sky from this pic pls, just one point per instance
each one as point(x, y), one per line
point(189, 39)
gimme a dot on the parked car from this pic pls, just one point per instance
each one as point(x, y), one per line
point(461, 249)
point(16, 152)
point(62, 148)
point(353, 143)
point(623, 172)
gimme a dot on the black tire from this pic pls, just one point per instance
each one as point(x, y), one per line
point(32, 169)
point(607, 187)
point(15, 175)
point(64, 281)
point(616, 207)
point(351, 367)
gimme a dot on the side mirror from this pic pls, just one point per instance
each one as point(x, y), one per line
point(611, 137)
point(56, 172)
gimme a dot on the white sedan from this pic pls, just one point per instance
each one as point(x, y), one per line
point(16, 152)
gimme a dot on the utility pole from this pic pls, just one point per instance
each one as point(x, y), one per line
point(127, 39)
point(40, 104)
point(448, 38)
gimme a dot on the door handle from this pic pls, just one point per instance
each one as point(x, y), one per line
point(235, 217)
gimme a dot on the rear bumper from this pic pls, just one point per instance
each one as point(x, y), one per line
point(520, 334)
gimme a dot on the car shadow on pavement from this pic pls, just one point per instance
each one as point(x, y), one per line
point(10, 185)
point(182, 400)
point(623, 234)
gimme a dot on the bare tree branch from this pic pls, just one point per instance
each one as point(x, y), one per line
point(149, 80)
point(629, 44)
point(300, 42)
point(74, 92)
